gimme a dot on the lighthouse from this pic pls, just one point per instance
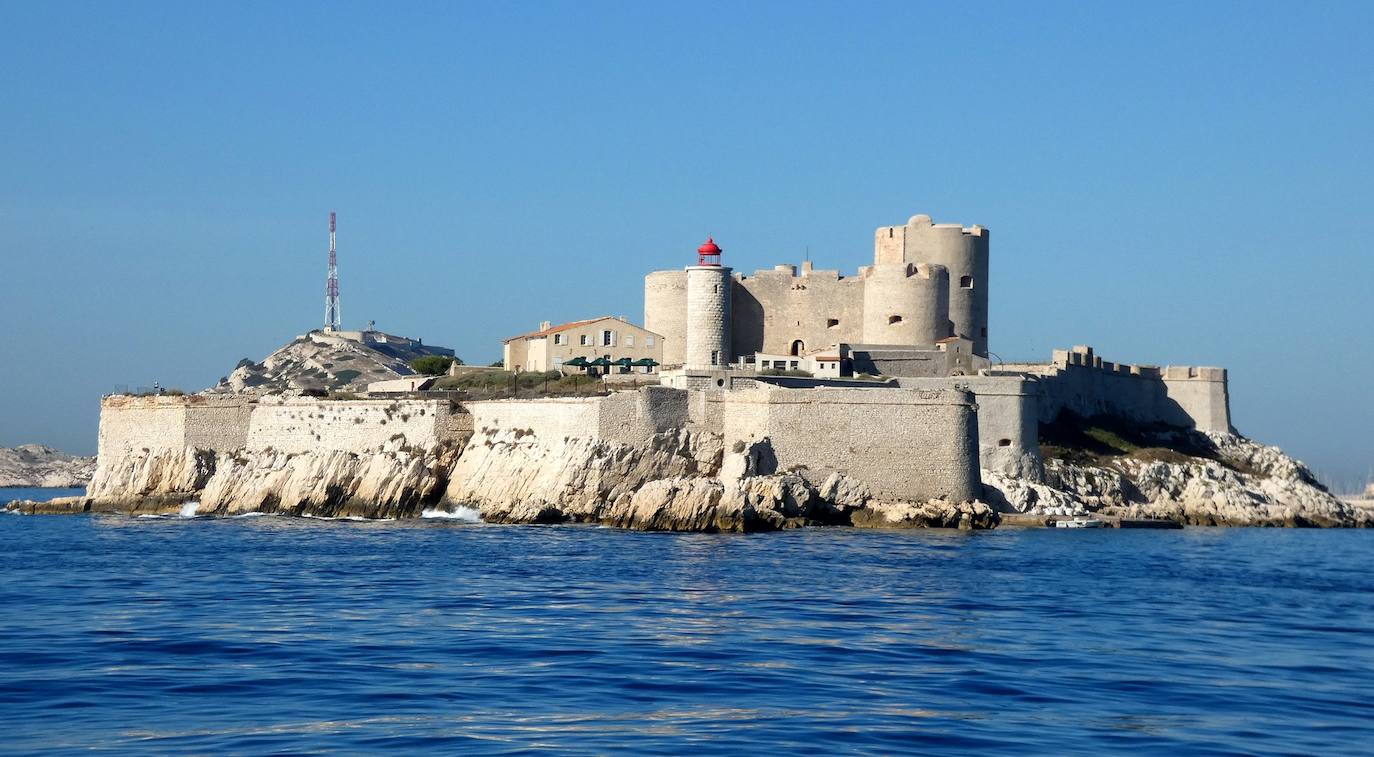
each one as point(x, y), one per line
point(708, 311)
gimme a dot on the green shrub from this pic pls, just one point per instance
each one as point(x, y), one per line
point(432, 365)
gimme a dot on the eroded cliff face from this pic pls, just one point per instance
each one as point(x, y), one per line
point(685, 481)
point(1241, 483)
point(397, 481)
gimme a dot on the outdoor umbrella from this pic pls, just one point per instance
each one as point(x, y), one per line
point(646, 362)
point(577, 362)
point(600, 362)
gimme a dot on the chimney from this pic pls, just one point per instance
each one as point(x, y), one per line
point(544, 325)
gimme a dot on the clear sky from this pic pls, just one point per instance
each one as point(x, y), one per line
point(1184, 183)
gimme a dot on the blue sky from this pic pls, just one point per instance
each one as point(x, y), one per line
point(1184, 183)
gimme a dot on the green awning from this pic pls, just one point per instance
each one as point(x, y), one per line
point(624, 361)
point(577, 362)
point(601, 362)
point(646, 362)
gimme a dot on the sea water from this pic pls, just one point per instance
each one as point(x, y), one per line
point(266, 634)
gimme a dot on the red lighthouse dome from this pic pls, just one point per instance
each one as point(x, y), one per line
point(709, 253)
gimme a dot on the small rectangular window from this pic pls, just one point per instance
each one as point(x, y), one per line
point(629, 340)
point(715, 357)
point(607, 338)
point(649, 341)
point(966, 282)
point(558, 339)
point(832, 322)
point(794, 365)
point(585, 340)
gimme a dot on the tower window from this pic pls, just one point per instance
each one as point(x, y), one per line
point(798, 347)
point(715, 357)
point(1004, 442)
point(894, 319)
point(985, 332)
point(966, 282)
point(832, 322)
point(889, 232)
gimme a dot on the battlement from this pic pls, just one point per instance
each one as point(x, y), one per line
point(1187, 396)
point(1082, 356)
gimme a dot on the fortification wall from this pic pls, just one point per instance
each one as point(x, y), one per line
point(173, 422)
point(305, 425)
point(624, 417)
point(226, 423)
point(909, 445)
point(1184, 396)
point(772, 310)
point(1008, 420)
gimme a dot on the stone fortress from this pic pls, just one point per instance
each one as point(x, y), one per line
point(917, 409)
point(918, 319)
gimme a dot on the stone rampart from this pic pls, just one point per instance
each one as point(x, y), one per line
point(304, 425)
point(227, 423)
point(906, 445)
point(625, 417)
point(1008, 420)
point(173, 422)
point(1184, 396)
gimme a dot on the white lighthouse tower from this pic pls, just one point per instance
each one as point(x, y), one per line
point(708, 311)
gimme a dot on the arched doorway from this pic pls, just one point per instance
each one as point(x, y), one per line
point(798, 348)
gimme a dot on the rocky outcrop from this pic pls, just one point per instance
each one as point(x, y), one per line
point(1241, 483)
point(396, 481)
point(318, 361)
point(677, 481)
point(34, 465)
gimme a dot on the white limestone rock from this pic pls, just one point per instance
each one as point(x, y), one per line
point(36, 465)
point(512, 476)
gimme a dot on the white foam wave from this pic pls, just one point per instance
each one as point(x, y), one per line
point(150, 515)
point(249, 515)
point(465, 514)
point(188, 509)
point(354, 518)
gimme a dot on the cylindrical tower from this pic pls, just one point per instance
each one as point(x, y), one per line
point(665, 312)
point(906, 304)
point(964, 251)
point(708, 310)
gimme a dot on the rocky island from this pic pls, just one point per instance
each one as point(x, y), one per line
point(784, 399)
point(37, 466)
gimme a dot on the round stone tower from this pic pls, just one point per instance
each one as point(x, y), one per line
point(708, 311)
point(961, 250)
point(906, 304)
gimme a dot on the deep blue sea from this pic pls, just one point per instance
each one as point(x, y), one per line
point(270, 634)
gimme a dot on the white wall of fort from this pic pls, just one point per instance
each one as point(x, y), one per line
point(230, 423)
point(910, 445)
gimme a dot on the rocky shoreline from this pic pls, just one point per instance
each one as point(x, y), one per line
point(685, 481)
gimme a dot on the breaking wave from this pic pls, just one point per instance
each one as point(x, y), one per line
point(465, 514)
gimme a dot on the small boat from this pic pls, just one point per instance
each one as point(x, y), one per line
point(1079, 523)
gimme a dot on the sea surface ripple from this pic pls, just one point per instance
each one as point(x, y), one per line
point(268, 634)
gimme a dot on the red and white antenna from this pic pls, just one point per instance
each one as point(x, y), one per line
point(331, 286)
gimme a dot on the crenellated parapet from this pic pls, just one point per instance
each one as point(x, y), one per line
point(1079, 380)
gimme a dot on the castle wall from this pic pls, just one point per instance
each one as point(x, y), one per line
point(230, 423)
point(298, 425)
point(774, 309)
point(1008, 420)
point(172, 422)
point(624, 417)
point(1183, 396)
point(905, 445)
